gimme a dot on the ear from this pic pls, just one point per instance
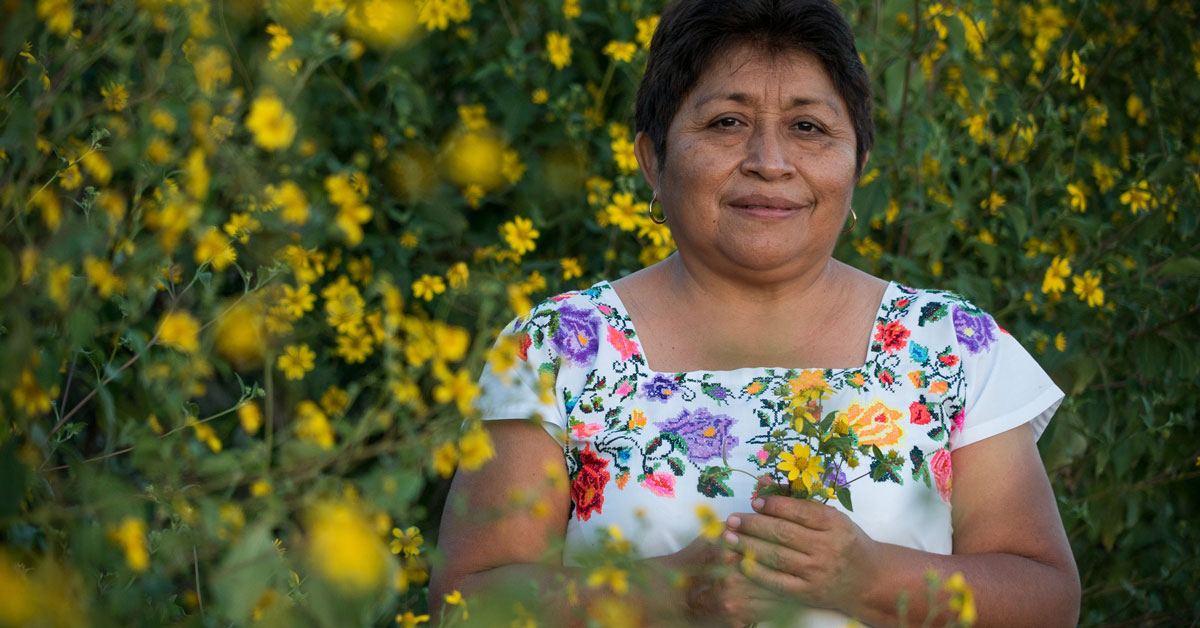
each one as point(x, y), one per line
point(866, 160)
point(647, 157)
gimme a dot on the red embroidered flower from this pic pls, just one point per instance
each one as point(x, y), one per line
point(893, 336)
point(587, 488)
point(626, 347)
point(524, 341)
point(885, 377)
point(901, 304)
point(919, 413)
point(939, 464)
point(948, 360)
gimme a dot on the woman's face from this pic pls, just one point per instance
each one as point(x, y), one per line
point(760, 165)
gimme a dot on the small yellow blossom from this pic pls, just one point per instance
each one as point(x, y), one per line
point(445, 458)
point(615, 578)
point(407, 542)
point(620, 50)
point(540, 96)
point(115, 96)
point(1139, 198)
point(179, 330)
point(571, 10)
point(475, 448)
point(1078, 71)
point(130, 536)
point(1136, 110)
point(455, 598)
point(313, 426)
point(296, 361)
point(571, 268)
point(1088, 289)
point(458, 275)
point(459, 388)
point(428, 286)
point(623, 155)
point(280, 40)
point(250, 417)
point(409, 620)
point(645, 30)
point(1056, 275)
point(345, 549)
point(520, 235)
point(710, 525)
point(273, 126)
point(1078, 196)
point(558, 47)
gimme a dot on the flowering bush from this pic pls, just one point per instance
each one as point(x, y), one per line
point(253, 255)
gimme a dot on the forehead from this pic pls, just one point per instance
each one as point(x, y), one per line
point(750, 74)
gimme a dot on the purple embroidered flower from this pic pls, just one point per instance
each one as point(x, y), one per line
point(704, 433)
point(661, 388)
point(576, 337)
point(976, 332)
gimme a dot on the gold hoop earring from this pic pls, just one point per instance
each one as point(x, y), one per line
point(650, 211)
point(853, 221)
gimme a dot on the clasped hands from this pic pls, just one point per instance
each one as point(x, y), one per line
point(788, 551)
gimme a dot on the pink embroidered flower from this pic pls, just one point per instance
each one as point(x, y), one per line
point(622, 343)
point(662, 484)
point(624, 389)
point(918, 413)
point(939, 464)
point(604, 309)
point(584, 430)
point(956, 424)
point(564, 296)
point(762, 456)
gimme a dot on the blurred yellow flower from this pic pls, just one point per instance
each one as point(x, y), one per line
point(620, 50)
point(240, 226)
point(382, 24)
point(290, 200)
point(296, 361)
point(130, 536)
point(460, 388)
point(645, 30)
point(962, 599)
point(97, 165)
point(216, 248)
point(994, 201)
point(408, 620)
point(571, 268)
point(570, 9)
point(1056, 275)
point(211, 67)
point(407, 542)
point(250, 416)
point(1078, 196)
point(70, 178)
point(1088, 288)
point(445, 458)
point(334, 400)
point(710, 525)
point(273, 127)
point(475, 448)
point(474, 158)
point(622, 213)
point(100, 276)
point(540, 96)
point(162, 120)
point(158, 151)
point(623, 155)
point(1105, 176)
point(1136, 110)
point(280, 41)
point(115, 96)
point(355, 348)
point(427, 287)
point(297, 301)
point(609, 575)
point(1078, 71)
point(520, 235)
point(179, 330)
point(29, 396)
point(206, 435)
point(452, 341)
point(558, 47)
point(313, 426)
point(344, 549)
point(241, 334)
point(458, 275)
point(58, 14)
point(1138, 197)
point(455, 598)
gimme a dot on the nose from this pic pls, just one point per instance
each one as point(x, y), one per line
point(766, 155)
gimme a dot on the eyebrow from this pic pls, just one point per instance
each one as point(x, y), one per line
point(746, 99)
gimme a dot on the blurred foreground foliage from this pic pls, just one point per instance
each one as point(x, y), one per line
point(253, 255)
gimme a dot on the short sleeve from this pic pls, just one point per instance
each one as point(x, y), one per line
point(1005, 387)
point(540, 363)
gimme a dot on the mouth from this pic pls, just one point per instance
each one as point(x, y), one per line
point(765, 205)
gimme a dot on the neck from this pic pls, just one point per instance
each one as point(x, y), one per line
point(757, 294)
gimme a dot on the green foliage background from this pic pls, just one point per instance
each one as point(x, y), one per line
point(1010, 134)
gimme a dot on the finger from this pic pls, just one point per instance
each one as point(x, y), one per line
point(763, 552)
point(765, 575)
point(775, 530)
point(809, 514)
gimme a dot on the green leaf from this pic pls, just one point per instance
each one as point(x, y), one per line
point(843, 497)
point(1188, 266)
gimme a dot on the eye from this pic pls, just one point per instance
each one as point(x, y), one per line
point(726, 122)
point(808, 127)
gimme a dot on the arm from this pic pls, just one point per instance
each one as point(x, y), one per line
point(1009, 544)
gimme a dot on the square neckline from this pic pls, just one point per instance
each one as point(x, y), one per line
point(619, 306)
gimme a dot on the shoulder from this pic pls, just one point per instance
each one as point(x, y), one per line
point(945, 312)
point(567, 326)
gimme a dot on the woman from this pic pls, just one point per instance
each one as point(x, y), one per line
point(754, 124)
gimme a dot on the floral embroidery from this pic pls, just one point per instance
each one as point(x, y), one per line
point(918, 413)
point(893, 335)
point(877, 425)
point(661, 484)
point(706, 434)
point(661, 388)
point(974, 330)
point(940, 466)
point(587, 487)
point(575, 337)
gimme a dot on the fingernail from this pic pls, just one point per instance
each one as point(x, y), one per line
point(730, 537)
point(733, 522)
point(758, 503)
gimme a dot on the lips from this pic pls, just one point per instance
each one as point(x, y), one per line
point(761, 201)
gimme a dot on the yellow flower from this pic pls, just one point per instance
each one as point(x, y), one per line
point(297, 301)
point(334, 400)
point(240, 226)
point(1056, 274)
point(994, 201)
point(1105, 176)
point(1078, 70)
point(458, 275)
point(802, 465)
point(344, 548)
point(280, 41)
point(408, 620)
point(520, 235)
point(624, 156)
point(206, 435)
point(1060, 341)
point(452, 341)
point(540, 96)
point(1139, 198)
point(313, 426)
point(97, 165)
point(427, 287)
point(215, 247)
point(474, 117)
point(250, 417)
point(445, 457)
point(1078, 196)
point(459, 388)
point(409, 541)
point(115, 96)
point(273, 127)
point(620, 50)
point(454, 598)
point(645, 30)
point(622, 212)
point(212, 68)
point(475, 448)
point(383, 24)
point(162, 120)
point(571, 268)
point(70, 178)
point(1088, 288)
point(1136, 110)
point(130, 536)
point(289, 198)
point(962, 599)
point(100, 276)
point(513, 168)
point(241, 334)
point(558, 47)
point(177, 329)
point(58, 14)
point(434, 15)
point(615, 578)
point(296, 361)
point(570, 9)
point(355, 348)
point(29, 395)
point(710, 525)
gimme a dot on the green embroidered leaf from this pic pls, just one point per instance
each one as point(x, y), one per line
point(932, 313)
point(676, 466)
point(714, 482)
point(938, 433)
